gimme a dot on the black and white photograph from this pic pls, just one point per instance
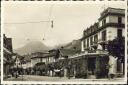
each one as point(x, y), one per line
point(64, 43)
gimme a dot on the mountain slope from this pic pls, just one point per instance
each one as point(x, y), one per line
point(75, 44)
point(33, 46)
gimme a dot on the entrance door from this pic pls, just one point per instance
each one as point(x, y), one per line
point(91, 65)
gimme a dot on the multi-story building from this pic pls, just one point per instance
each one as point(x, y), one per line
point(17, 61)
point(27, 61)
point(111, 25)
point(44, 61)
point(7, 52)
point(38, 57)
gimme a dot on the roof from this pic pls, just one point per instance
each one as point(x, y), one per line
point(89, 55)
point(39, 55)
point(110, 9)
point(114, 11)
point(68, 52)
point(87, 34)
point(44, 55)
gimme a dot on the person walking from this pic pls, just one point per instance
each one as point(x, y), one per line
point(106, 70)
point(68, 72)
point(112, 66)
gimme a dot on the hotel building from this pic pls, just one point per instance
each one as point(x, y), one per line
point(110, 25)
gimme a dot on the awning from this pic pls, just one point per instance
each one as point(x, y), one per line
point(89, 54)
point(6, 50)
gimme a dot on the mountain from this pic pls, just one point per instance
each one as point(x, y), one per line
point(75, 44)
point(72, 48)
point(31, 47)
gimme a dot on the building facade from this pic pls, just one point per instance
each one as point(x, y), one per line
point(110, 25)
point(8, 53)
point(38, 57)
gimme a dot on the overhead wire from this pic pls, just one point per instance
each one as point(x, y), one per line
point(49, 19)
point(26, 22)
point(32, 22)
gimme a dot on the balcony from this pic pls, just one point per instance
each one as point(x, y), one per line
point(100, 41)
point(112, 25)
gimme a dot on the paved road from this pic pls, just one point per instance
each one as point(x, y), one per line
point(46, 78)
point(36, 78)
point(43, 78)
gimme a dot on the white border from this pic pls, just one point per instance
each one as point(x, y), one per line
point(1, 51)
point(126, 41)
point(60, 82)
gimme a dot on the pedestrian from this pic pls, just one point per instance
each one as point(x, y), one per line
point(12, 73)
point(61, 70)
point(68, 72)
point(112, 66)
point(106, 70)
point(16, 74)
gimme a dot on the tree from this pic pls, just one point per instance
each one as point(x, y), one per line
point(41, 67)
point(57, 54)
point(116, 47)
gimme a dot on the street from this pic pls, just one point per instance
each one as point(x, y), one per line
point(46, 78)
point(72, 44)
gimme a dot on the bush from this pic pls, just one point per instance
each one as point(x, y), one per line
point(81, 75)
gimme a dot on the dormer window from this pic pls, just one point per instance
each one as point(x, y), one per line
point(85, 33)
point(103, 22)
point(89, 31)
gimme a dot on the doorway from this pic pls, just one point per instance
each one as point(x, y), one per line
point(91, 65)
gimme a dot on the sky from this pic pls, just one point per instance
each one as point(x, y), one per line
point(69, 21)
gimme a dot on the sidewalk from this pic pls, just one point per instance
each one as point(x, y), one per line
point(47, 78)
point(20, 78)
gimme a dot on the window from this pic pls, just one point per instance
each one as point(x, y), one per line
point(91, 40)
point(88, 42)
point(84, 43)
point(103, 22)
point(119, 33)
point(104, 35)
point(40, 59)
point(85, 33)
point(89, 31)
point(96, 39)
point(92, 29)
point(119, 20)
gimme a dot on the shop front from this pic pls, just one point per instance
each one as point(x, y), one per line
point(89, 66)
